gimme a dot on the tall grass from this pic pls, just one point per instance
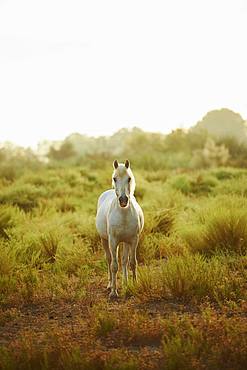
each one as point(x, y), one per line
point(194, 185)
point(219, 225)
point(25, 197)
point(192, 252)
point(6, 221)
point(192, 278)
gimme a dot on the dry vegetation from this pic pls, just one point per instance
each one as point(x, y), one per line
point(188, 309)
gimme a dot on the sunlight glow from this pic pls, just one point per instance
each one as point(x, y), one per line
point(96, 66)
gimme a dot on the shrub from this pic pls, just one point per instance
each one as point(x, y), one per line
point(200, 184)
point(25, 197)
point(227, 173)
point(222, 226)
point(157, 240)
point(182, 183)
point(211, 155)
point(9, 172)
point(192, 278)
point(203, 184)
point(163, 222)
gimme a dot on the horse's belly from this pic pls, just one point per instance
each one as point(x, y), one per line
point(124, 237)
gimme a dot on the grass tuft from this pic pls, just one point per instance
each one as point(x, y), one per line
point(50, 244)
point(192, 278)
point(6, 222)
point(163, 222)
point(221, 227)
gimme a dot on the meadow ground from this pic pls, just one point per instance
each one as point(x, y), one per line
point(188, 309)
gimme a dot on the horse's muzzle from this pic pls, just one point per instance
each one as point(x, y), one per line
point(123, 201)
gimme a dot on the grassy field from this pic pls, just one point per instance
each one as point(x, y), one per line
point(188, 309)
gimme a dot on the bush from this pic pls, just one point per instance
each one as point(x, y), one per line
point(182, 183)
point(227, 173)
point(220, 227)
point(163, 222)
point(26, 197)
point(200, 184)
point(8, 172)
point(192, 278)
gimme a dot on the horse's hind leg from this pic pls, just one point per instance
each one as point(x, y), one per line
point(133, 261)
point(125, 258)
point(108, 258)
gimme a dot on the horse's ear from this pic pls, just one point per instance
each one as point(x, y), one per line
point(127, 163)
point(115, 164)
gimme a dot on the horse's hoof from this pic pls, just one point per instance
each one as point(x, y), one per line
point(113, 295)
point(108, 287)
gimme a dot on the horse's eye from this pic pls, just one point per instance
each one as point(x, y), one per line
point(129, 179)
point(114, 179)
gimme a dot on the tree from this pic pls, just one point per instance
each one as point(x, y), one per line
point(224, 123)
point(65, 151)
point(176, 141)
point(211, 155)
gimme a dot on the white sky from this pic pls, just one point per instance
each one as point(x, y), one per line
point(96, 66)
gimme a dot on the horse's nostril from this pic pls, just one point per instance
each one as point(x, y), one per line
point(123, 199)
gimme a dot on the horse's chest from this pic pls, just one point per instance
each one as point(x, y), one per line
point(123, 227)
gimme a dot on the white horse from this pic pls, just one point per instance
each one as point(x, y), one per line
point(119, 219)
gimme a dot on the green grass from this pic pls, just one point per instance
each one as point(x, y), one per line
point(199, 184)
point(192, 252)
point(193, 278)
point(216, 225)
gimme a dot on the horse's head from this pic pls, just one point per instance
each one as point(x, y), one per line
point(123, 182)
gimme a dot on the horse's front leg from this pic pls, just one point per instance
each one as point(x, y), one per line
point(133, 260)
point(125, 259)
point(113, 243)
point(108, 258)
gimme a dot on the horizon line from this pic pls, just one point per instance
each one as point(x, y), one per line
point(183, 127)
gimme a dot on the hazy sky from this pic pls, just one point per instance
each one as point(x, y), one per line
point(96, 66)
